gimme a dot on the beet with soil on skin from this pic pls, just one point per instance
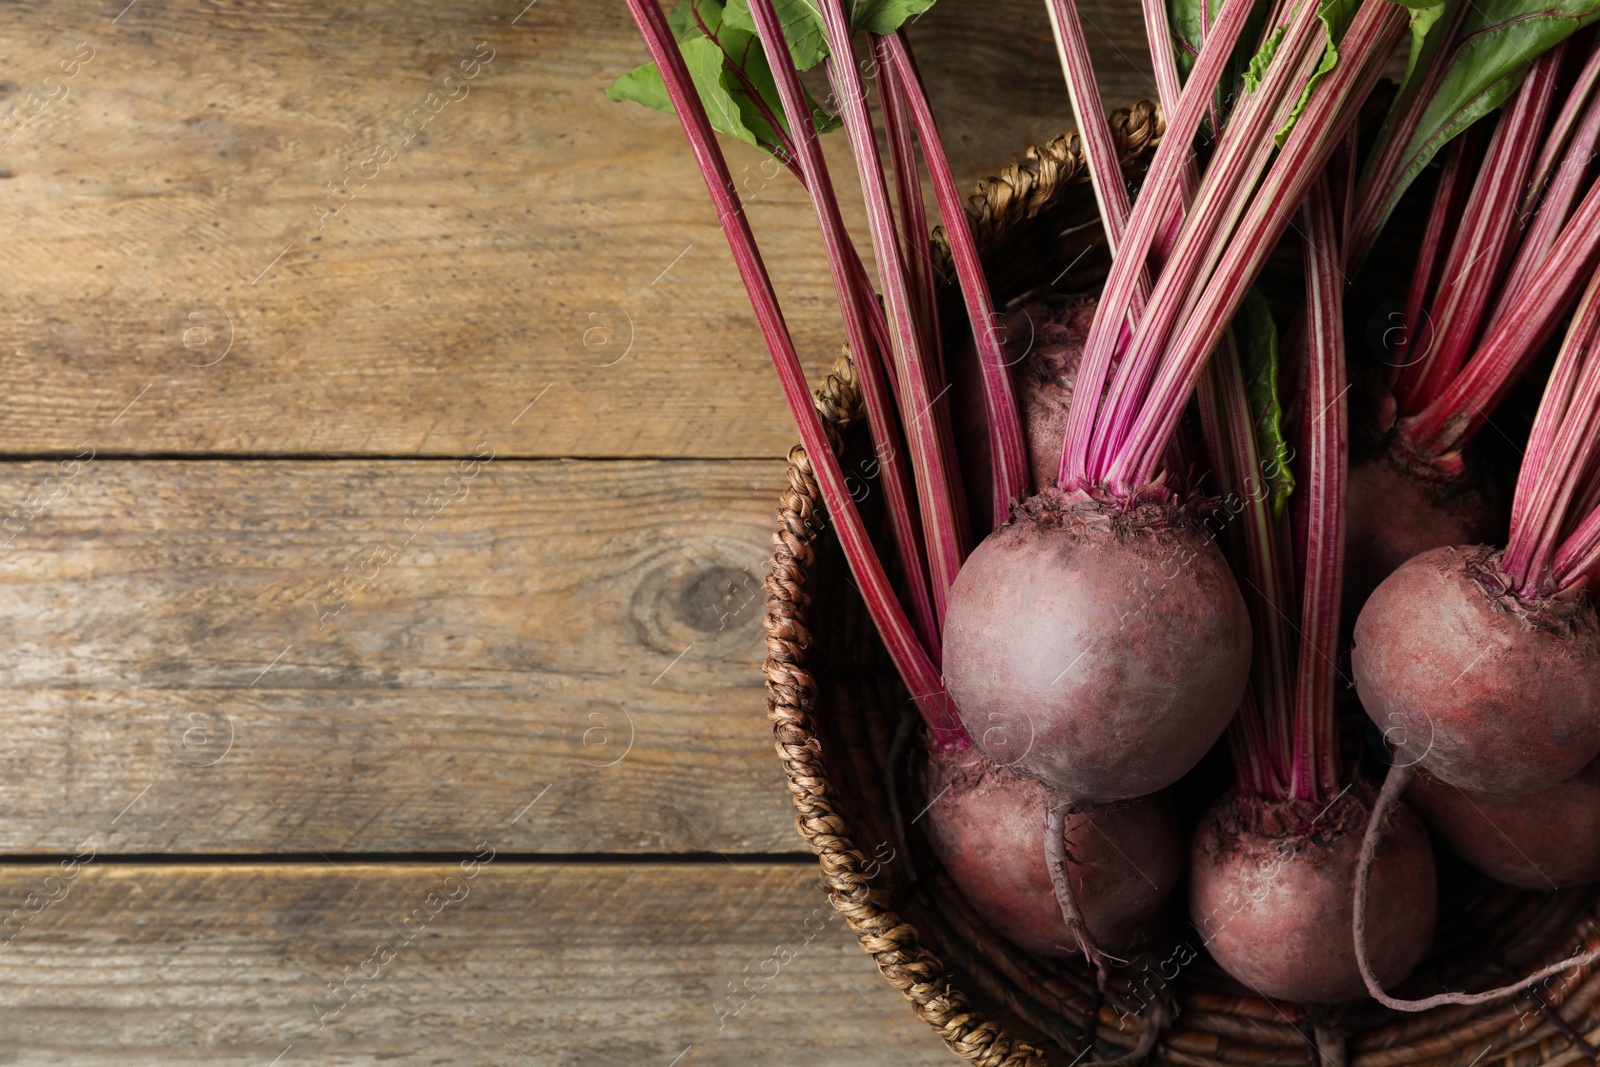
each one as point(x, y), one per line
point(1544, 840)
point(1489, 693)
point(1101, 650)
point(1270, 894)
point(987, 824)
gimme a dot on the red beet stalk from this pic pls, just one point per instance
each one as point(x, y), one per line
point(907, 652)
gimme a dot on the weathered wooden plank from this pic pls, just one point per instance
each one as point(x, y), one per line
point(544, 964)
point(168, 234)
point(291, 655)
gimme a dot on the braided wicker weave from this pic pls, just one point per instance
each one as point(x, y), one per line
point(842, 723)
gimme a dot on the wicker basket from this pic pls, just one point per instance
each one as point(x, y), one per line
point(843, 724)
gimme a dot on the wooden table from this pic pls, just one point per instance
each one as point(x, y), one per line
point(389, 480)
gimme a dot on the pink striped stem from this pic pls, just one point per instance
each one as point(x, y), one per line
point(1387, 164)
point(1094, 132)
point(1008, 455)
point(1324, 455)
point(1560, 450)
point(1560, 189)
point(913, 213)
point(1477, 259)
point(1574, 105)
point(944, 522)
point(1463, 408)
point(1577, 565)
point(1375, 29)
point(855, 295)
point(1150, 214)
point(909, 657)
point(1263, 741)
point(1445, 212)
point(1224, 196)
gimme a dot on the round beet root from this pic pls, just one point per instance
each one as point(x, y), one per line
point(1544, 840)
point(1392, 515)
point(1100, 650)
point(987, 826)
point(1271, 894)
point(1483, 689)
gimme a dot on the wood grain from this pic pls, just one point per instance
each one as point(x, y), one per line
point(590, 628)
point(588, 964)
point(165, 235)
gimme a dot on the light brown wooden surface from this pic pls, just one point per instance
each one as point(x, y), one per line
point(580, 964)
point(534, 236)
point(537, 270)
point(590, 628)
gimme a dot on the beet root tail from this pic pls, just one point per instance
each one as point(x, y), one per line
point(1055, 852)
point(1394, 786)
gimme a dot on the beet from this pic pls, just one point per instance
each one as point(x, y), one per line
point(1099, 649)
point(1043, 346)
point(1485, 689)
point(1544, 840)
point(1393, 514)
point(1270, 893)
point(987, 826)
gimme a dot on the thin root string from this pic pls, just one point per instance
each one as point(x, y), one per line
point(1055, 854)
point(1394, 786)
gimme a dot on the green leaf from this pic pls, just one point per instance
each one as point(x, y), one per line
point(729, 113)
point(1257, 336)
point(641, 85)
point(730, 74)
point(886, 16)
point(729, 68)
point(802, 28)
point(1263, 59)
point(1488, 56)
point(1335, 17)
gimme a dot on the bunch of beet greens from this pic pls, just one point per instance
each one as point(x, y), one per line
point(1170, 482)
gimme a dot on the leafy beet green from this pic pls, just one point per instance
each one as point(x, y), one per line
point(1467, 57)
point(730, 73)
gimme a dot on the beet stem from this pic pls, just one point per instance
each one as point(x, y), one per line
point(1144, 224)
point(1223, 197)
point(908, 194)
point(1385, 169)
point(1463, 408)
point(1325, 421)
point(1478, 256)
point(943, 513)
point(1008, 454)
point(907, 652)
point(1561, 452)
point(1094, 132)
point(1560, 191)
point(1364, 49)
point(856, 303)
point(1444, 212)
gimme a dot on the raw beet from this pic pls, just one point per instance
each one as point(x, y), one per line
point(1544, 840)
point(1393, 514)
point(1100, 649)
point(987, 825)
point(1270, 893)
point(1043, 346)
point(1484, 689)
